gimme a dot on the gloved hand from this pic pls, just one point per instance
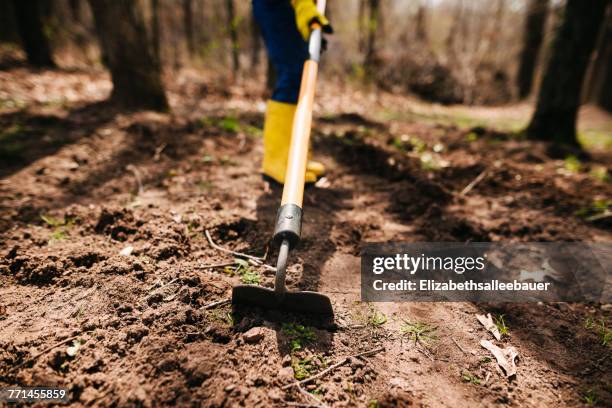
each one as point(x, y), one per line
point(306, 13)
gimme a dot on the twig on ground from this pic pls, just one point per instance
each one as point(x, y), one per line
point(158, 150)
point(421, 348)
point(167, 284)
point(305, 393)
point(134, 170)
point(45, 351)
point(212, 266)
point(298, 404)
point(156, 284)
point(601, 216)
point(333, 367)
point(229, 251)
point(459, 345)
point(215, 304)
point(473, 184)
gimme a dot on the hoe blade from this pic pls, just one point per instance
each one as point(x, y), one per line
point(300, 302)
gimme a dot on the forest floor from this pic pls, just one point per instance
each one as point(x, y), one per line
point(103, 250)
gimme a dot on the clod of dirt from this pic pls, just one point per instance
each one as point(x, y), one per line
point(197, 370)
point(116, 223)
point(167, 251)
point(85, 258)
point(254, 335)
point(395, 398)
point(116, 267)
point(38, 272)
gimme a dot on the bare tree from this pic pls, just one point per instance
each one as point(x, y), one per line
point(188, 23)
point(533, 34)
point(30, 25)
point(256, 44)
point(420, 24)
point(598, 82)
point(372, 28)
point(233, 33)
point(155, 30)
point(555, 115)
point(135, 71)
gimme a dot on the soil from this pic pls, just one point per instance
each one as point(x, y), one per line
point(103, 219)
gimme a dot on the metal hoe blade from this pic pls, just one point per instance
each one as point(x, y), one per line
point(279, 298)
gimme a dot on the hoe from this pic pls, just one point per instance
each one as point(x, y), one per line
point(289, 216)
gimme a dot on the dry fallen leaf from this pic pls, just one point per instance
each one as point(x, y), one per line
point(127, 251)
point(505, 357)
point(74, 349)
point(487, 322)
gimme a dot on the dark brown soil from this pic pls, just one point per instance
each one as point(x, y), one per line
point(85, 182)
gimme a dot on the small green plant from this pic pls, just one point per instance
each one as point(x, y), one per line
point(605, 334)
point(589, 323)
point(501, 325)
point(223, 316)
point(601, 173)
point(208, 159)
point(243, 269)
point(250, 277)
point(302, 368)
point(373, 404)
point(205, 185)
point(485, 360)
point(226, 161)
point(599, 206)
point(429, 162)
point(471, 137)
point(572, 164)
point(230, 124)
point(60, 227)
point(298, 335)
point(601, 328)
point(590, 397)
point(375, 317)
point(419, 332)
point(467, 377)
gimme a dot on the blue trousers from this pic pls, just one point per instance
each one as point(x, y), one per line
point(286, 48)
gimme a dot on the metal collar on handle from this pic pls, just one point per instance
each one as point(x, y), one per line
point(314, 44)
point(316, 37)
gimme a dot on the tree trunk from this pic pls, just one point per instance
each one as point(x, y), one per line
point(8, 23)
point(136, 74)
point(373, 25)
point(597, 84)
point(75, 10)
point(155, 31)
point(453, 32)
point(30, 26)
point(233, 32)
point(362, 25)
point(188, 22)
point(420, 24)
point(533, 35)
point(256, 45)
point(555, 115)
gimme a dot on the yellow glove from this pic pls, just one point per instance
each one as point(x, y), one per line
point(305, 14)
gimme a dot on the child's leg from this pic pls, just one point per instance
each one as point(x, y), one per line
point(287, 51)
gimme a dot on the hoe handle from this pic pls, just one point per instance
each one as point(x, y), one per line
point(289, 217)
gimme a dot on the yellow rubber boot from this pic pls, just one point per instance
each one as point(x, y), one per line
point(277, 138)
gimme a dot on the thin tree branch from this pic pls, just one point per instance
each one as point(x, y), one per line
point(333, 367)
